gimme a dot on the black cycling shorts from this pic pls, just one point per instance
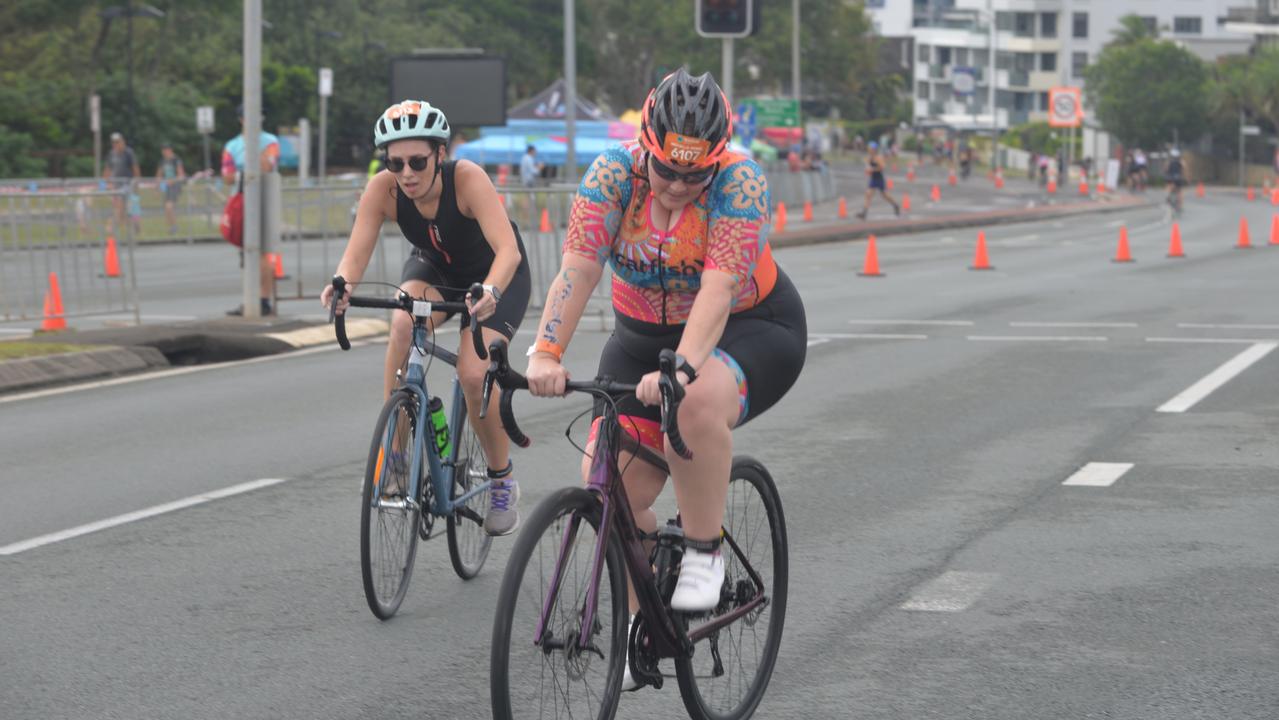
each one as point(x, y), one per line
point(510, 309)
point(767, 343)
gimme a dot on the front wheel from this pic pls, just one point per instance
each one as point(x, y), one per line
point(388, 516)
point(562, 674)
point(728, 672)
point(468, 543)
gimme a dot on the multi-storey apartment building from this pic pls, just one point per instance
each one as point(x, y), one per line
point(1039, 44)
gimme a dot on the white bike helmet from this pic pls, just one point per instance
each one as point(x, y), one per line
point(416, 119)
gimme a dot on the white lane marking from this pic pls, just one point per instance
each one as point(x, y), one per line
point(818, 341)
point(1116, 223)
point(171, 373)
point(867, 336)
point(1215, 379)
point(36, 542)
point(948, 239)
point(16, 333)
point(1210, 341)
point(1047, 338)
point(952, 591)
point(1228, 327)
point(958, 323)
point(1034, 323)
point(1098, 474)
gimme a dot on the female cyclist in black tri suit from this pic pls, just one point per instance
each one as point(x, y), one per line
point(452, 215)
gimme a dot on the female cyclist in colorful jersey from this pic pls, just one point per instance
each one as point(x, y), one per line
point(452, 215)
point(684, 223)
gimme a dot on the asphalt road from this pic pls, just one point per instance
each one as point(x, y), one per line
point(944, 563)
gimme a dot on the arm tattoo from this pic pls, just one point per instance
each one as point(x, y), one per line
point(558, 302)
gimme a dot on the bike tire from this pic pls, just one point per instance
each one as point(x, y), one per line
point(388, 535)
point(521, 691)
point(468, 543)
point(752, 497)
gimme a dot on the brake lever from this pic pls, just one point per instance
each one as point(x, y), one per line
point(477, 335)
point(338, 321)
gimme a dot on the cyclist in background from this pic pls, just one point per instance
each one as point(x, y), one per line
point(1176, 177)
point(452, 215)
point(684, 223)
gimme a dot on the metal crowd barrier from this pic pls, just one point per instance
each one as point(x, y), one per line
point(62, 231)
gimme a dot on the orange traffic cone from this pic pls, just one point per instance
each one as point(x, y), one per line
point(980, 260)
point(808, 211)
point(1052, 187)
point(951, 179)
point(545, 225)
point(1199, 191)
point(278, 261)
point(889, 183)
point(936, 194)
point(780, 227)
point(111, 260)
point(1244, 241)
point(1101, 188)
point(53, 319)
point(1274, 229)
point(843, 208)
point(1174, 245)
point(999, 181)
point(1122, 253)
point(1252, 194)
point(905, 203)
point(870, 268)
point(1083, 187)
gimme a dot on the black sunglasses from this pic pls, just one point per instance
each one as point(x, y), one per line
point(417, 163)
point(670, 174)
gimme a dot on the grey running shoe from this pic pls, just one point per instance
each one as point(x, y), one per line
point(503, 518)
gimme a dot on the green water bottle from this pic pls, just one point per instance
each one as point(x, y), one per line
point(440, 425)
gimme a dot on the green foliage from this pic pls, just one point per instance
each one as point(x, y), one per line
point(1132, 29)
point(55, 53)
point(1145, 90)
point(1038, 137)
point(16, 160)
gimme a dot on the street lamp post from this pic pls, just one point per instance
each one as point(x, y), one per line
point(994, 111)
point(128, 12)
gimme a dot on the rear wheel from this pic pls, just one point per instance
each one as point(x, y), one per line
point(558, 677)
point(388, 517)
point(728, 672)
point(468, 543)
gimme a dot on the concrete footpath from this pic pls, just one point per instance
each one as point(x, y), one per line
point(126, 350)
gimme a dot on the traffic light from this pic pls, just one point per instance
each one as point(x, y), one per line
point(727, 18)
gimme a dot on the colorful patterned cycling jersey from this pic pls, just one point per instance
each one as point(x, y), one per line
point(656, 273)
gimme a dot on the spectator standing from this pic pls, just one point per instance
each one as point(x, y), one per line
point(171, 175)
point(232, 174)
point(530, 168)
point(120, 172)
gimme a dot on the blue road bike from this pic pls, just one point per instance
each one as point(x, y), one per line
point(421, 467)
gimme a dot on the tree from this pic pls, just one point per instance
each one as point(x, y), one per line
point(1147, 92)
point(1132, 29)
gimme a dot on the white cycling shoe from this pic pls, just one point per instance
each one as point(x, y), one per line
point(701, 575)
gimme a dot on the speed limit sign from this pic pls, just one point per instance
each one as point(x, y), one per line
point(1065, 107)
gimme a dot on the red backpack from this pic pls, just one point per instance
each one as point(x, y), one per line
point(233, 220)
